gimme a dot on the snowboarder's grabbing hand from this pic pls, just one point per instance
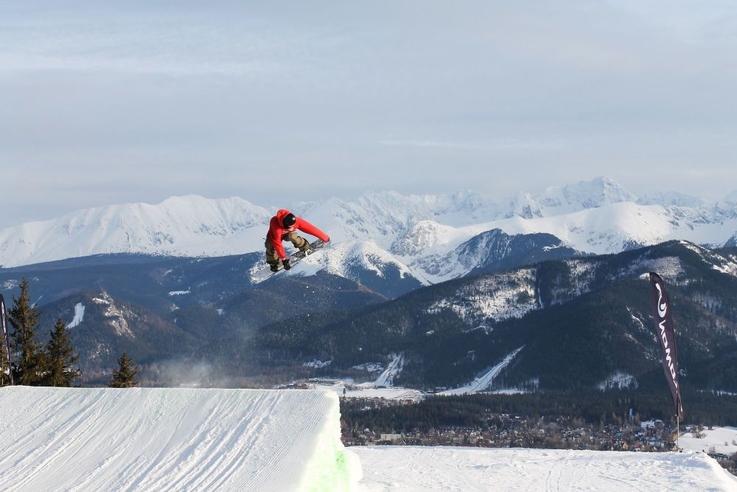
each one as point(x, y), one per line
point(283, 227)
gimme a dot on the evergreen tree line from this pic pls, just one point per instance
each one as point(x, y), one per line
point(52, 364)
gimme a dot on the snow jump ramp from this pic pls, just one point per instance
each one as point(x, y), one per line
point(155, 439)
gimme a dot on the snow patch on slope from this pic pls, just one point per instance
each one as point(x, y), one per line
point(114, 315)
point(485, 380)
point(78, 315)
point(618, 380)
point(394, 368)
point(496, 298)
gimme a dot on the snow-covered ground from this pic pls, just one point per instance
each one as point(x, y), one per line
point(152, 439)
point(721, 440)
point(472, 469)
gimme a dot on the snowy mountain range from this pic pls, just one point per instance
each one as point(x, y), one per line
point(427, 237)
point(582, 322)
point(526, 285)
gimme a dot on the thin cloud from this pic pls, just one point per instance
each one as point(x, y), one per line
point(271, 101)
point(495, 144)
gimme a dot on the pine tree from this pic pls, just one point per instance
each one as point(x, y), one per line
point(61, 358)
point(125, 375)
point(23, 316)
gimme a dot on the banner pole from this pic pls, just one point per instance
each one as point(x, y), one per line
point(6, 339)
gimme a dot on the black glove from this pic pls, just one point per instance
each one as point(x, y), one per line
point(286, 264)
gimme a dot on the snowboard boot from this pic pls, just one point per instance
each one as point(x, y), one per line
point(274, 265)
point(305, 248)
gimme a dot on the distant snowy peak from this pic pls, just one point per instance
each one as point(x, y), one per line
point(419, 232)
point(179, 226)
point(672, 199)
point(596, 193)
point(731, 242)
point(354, 259)
point(423, 237)
point(494, 250)
point(191, 214)
point(584, 195)
point(374, 215)
point(731, 198)
point(611, 228)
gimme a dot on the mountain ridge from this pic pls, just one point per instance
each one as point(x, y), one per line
point(570, 323)
point(557, 322)
point(411, 233)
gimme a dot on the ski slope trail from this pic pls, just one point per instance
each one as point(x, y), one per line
point(137, 439)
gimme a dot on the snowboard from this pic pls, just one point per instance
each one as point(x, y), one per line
point(298, 255)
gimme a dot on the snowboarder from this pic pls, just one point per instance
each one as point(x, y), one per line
point(283, 227)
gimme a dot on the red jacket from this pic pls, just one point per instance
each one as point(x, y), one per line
point(277, 231)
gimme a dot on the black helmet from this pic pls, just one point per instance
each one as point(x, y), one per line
point(289, 220)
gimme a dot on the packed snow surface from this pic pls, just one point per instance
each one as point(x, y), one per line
point(722, 440)
point(155, 439)
point(420, 469)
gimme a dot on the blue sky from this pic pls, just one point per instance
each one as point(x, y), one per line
point(273, 102)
